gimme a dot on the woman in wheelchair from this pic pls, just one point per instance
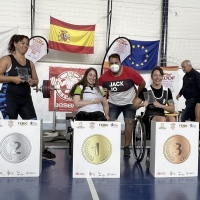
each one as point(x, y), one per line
point(90, 98)
point(156, 99)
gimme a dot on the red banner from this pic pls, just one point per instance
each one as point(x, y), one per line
point(63, 79)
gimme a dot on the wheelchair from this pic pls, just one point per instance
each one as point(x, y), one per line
point(139, 139)
point(71, 129)
point(141, 136)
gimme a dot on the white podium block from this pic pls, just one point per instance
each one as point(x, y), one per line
point(20, 148)
point(174, 149)
point(96, 149)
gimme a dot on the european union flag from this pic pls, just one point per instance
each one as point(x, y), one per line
point(144, 55)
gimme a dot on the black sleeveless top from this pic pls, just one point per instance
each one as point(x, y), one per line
point(161, 95)
point(22, 89)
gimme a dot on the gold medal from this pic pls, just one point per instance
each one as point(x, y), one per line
point(177, 149)
point(96, 149)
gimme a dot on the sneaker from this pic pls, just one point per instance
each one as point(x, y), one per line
point(48, 155)
point(127, 151)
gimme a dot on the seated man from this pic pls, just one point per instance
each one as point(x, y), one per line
point(90, 98)
point(155, 110)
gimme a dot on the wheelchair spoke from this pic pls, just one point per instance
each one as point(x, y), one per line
point(139, 139)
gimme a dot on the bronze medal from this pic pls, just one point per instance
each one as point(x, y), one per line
point(177, 149)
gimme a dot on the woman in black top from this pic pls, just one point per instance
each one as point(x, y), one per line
point(163, 100)
point(18, 74)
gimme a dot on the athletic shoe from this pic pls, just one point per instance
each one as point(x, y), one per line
point(127, 151)
point(48, 155)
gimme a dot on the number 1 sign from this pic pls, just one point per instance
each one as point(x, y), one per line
point(96, 149)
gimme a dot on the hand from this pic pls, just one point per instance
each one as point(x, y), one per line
point(178, 96)
point(18, 79)
point(107, 117)
point(30, 81)
point(157, 104)
point(96, 101)
point(146, 103)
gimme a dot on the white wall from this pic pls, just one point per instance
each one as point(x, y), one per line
point(135, 19)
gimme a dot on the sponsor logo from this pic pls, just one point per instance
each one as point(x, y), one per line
point(173, 126)
point(64, 105)
point(168, 77)
point(193, 126)
point(63, 84)
point(10, 173)
point(23, 123)
point(92, 125)
point(33, 124)
point(190, 173)
point(181, 174)
point(79, 173)
point(161, 173)
point(91, 173)
point(10, 123)
point(114, 125)
point(172, 173)
point(19, 173)
point(80, 125)
point(110, 174)
point(183, 125)
point(31, 173)
point(162, 126)
point(103, 125)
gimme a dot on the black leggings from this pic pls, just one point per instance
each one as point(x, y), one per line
point(15, 105)
point(91, 116)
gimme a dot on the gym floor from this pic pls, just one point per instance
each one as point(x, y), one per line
point(135, 182)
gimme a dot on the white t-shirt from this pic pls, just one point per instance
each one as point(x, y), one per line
point(89, 94)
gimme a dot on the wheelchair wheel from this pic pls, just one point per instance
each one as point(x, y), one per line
point(139, 139)
point(71, 145)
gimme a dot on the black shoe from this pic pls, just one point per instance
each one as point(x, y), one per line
point(127, 151)
point(48, 155)
point(147, 162)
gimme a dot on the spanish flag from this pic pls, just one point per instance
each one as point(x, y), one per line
point(71, 38)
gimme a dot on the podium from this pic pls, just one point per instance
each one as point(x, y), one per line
point(20, 148)
point(174, 149)
point(96, 149)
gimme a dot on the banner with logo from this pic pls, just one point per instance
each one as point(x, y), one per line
point(63, 79)
point(38, 47)
point(121, 46)
point(170, 81)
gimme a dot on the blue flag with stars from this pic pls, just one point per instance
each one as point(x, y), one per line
point(144, 55)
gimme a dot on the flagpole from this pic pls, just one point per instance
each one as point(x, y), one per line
point(163, 50)
point(109, 19)
point(32, 18)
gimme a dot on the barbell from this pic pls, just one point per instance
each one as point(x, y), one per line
point(46, 89)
